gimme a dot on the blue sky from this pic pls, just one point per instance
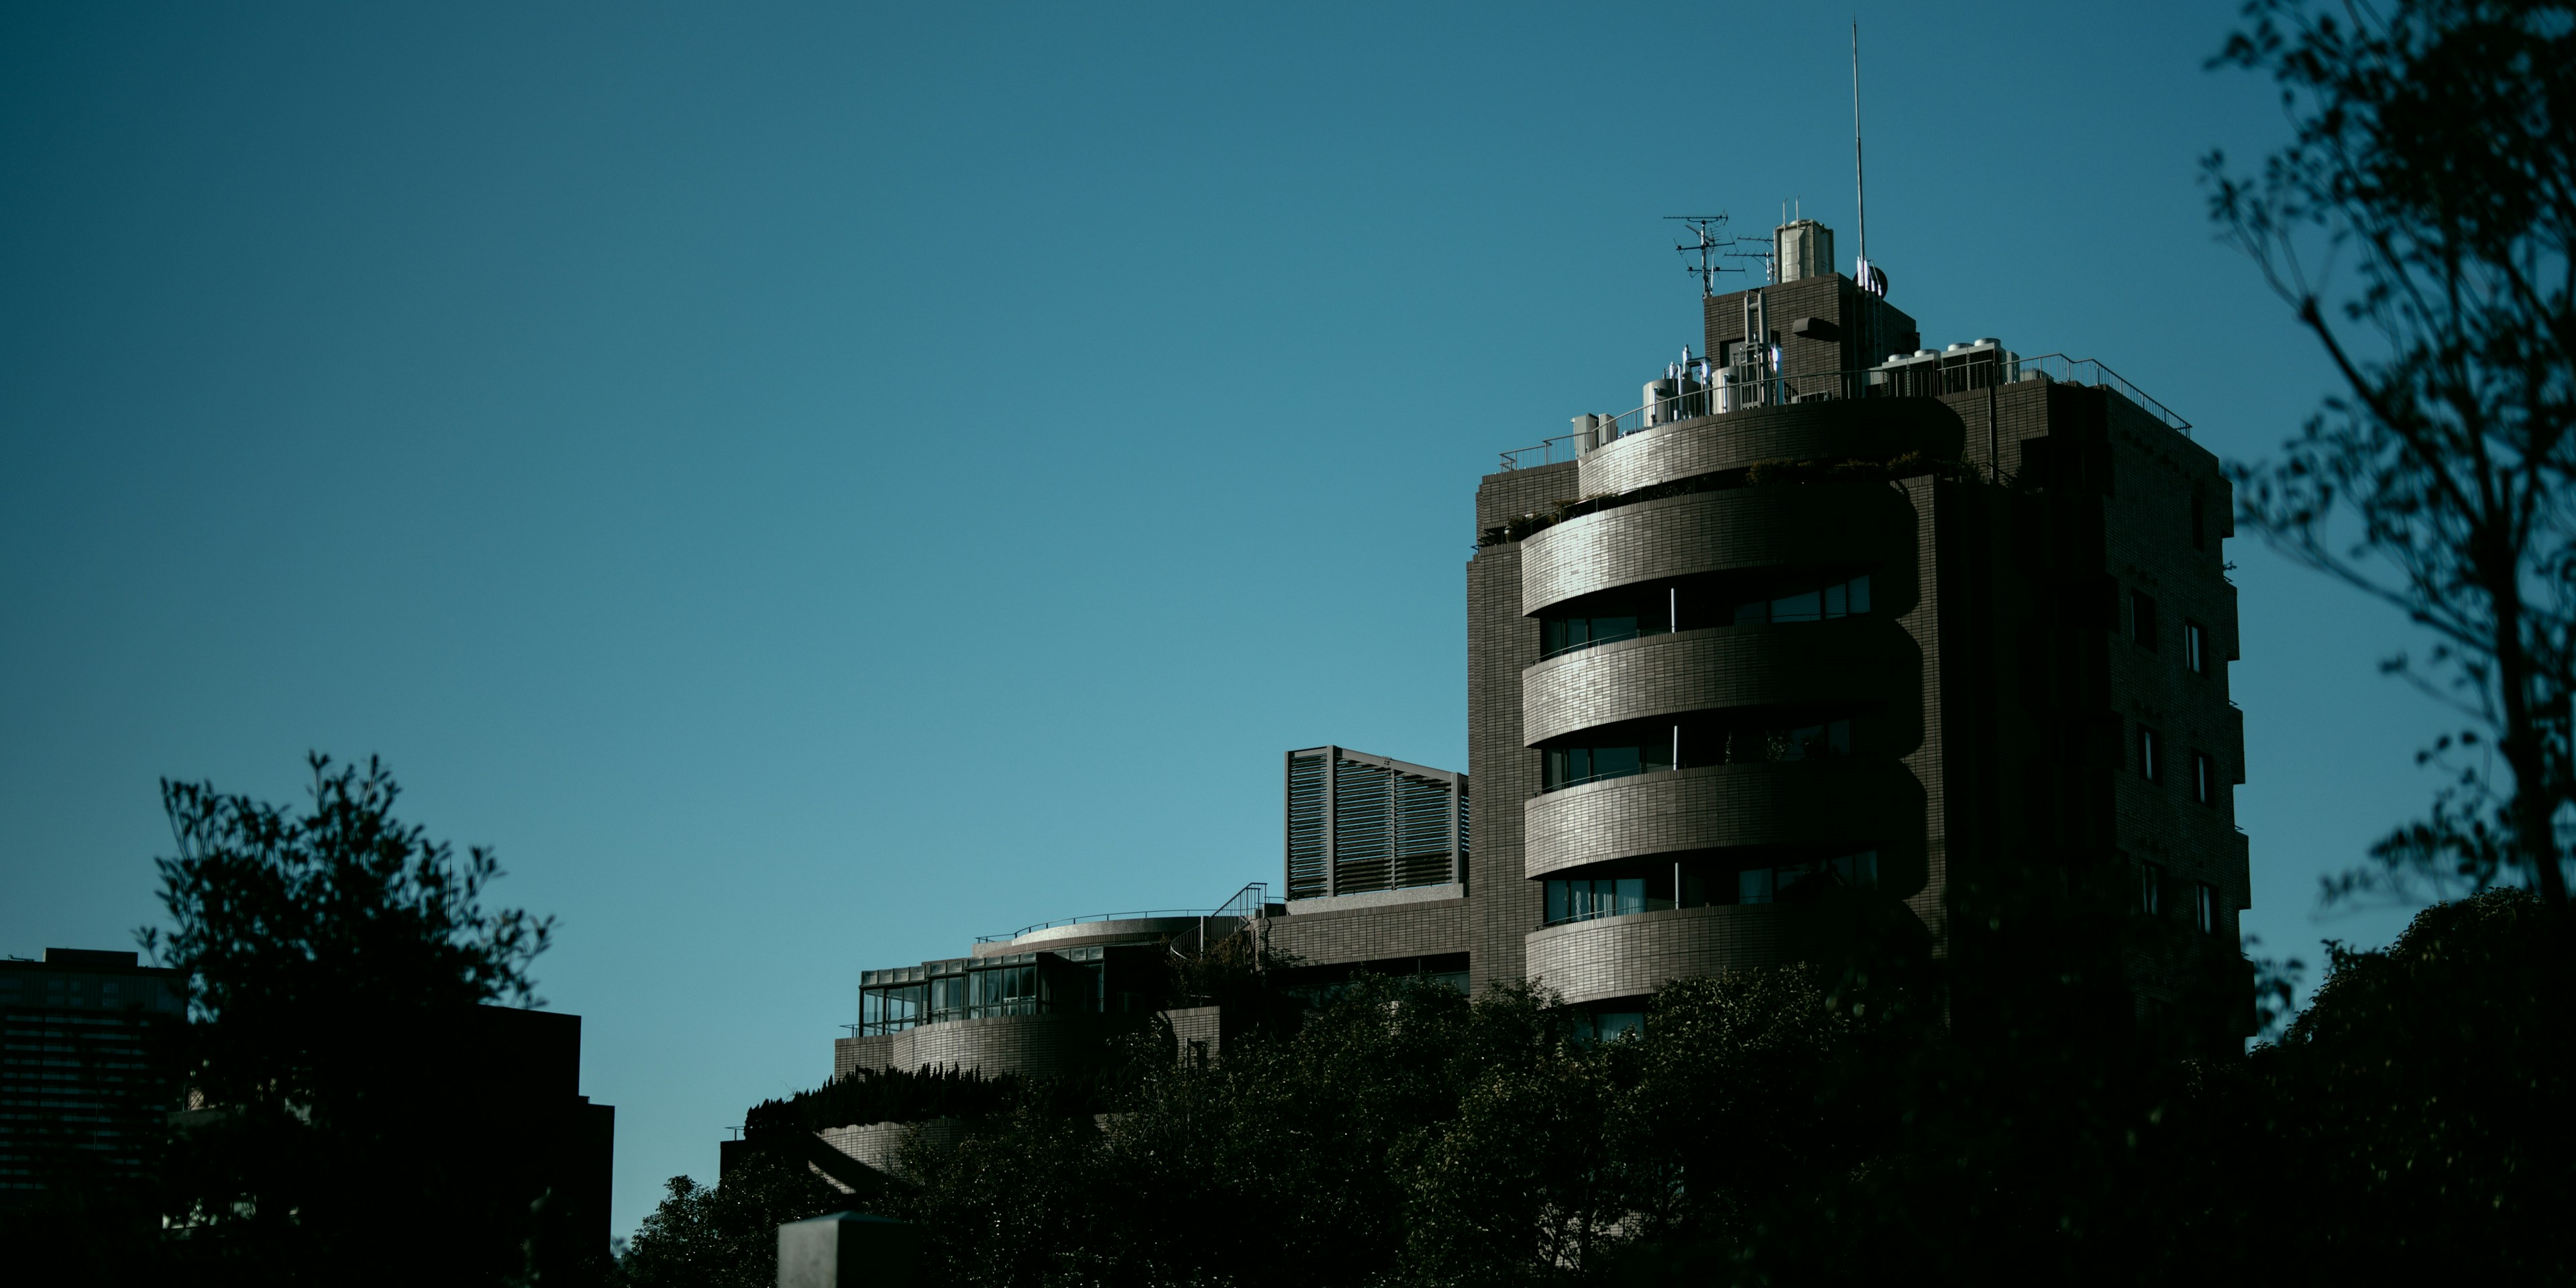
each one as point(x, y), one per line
point(814, 484)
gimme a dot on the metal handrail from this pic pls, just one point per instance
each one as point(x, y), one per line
point(1863, 382)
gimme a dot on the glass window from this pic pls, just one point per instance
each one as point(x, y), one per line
point(2151, 765)
point(1631, 896)
point(2204, 779)
point(2195, 648)
point(1755, 885)
point(2151, 889)
point(1567, 634)
point(2205, 908)
point(1573, 766)
point(1768, 885)
point(1585, 898)
point(1840, 599)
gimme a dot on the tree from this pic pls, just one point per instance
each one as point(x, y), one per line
point(725, 1236)
point(2432, 151)
point(335, 959)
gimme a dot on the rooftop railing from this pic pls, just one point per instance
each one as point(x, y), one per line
point(1926, 378)
point(1248, 902)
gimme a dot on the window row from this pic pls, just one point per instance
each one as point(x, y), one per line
point(1633, 612)
point(1050, 985)
point(2206, 786)
point(1694, 883)
point(2202, 897)
point(1633, 750)
point(2145, 633)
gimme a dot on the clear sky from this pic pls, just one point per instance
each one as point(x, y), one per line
point(813, 485)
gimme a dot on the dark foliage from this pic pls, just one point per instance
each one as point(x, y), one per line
point(885, 1095)
point(2434, 162)
point(1817, 1126)
point(2416, 1120)
point(331, 1076)
point(725, 1236)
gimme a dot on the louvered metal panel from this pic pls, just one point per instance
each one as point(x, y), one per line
point(1363, 827)
point(1359, 823)
point(1423, 821)
point(1308, 874)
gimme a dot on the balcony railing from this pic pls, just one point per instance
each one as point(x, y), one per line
point(1924, 379)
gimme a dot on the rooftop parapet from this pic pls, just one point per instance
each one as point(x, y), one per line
point(1924, 373)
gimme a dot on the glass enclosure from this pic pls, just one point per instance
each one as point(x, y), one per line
point(1076, 980)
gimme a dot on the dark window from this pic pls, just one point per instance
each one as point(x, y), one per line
point(1567, 634)
point(2151, 761)
point(2204, 779)
point(2151, 889)
point(1620, 615)
point(2204, 908)
point(1574, 766)
point(1602, 1026)
point(2199, 519)
point(2142, 620)
point(1802, 742)
point(2195, 647)
point(1769, 885)
point(1587, 898)
point(1812, 604)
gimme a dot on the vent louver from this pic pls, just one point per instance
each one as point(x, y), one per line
point(1359, 823)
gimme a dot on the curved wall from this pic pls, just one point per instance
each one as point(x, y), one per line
point(1861, 659)
point(1588, 961)
point(1862, 429)
point(1816, 524)
point(1030, 1044)
point(878, 1144)
point(1053, 938)
point(1857, 802)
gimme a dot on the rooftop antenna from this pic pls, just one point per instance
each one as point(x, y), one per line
point(1707, 246)
point(1870, 279)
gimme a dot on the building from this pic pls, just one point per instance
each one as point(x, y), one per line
point(1828, 610)
point(538, 1142)
point(76, 1097)
point(80, 1102)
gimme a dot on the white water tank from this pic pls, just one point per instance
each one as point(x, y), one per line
point(1802, 248)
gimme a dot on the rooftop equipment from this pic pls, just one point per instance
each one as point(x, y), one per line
point(1803, 248)
point(1973, 364)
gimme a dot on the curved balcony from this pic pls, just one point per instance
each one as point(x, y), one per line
point(1840, 429)
point(1815, 525)
point(1859, 659)
point(1860, 801)
point(1589, 961)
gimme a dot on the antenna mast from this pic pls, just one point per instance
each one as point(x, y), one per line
point(1868, 278)
point(1860, 183)
point(1708, 246)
